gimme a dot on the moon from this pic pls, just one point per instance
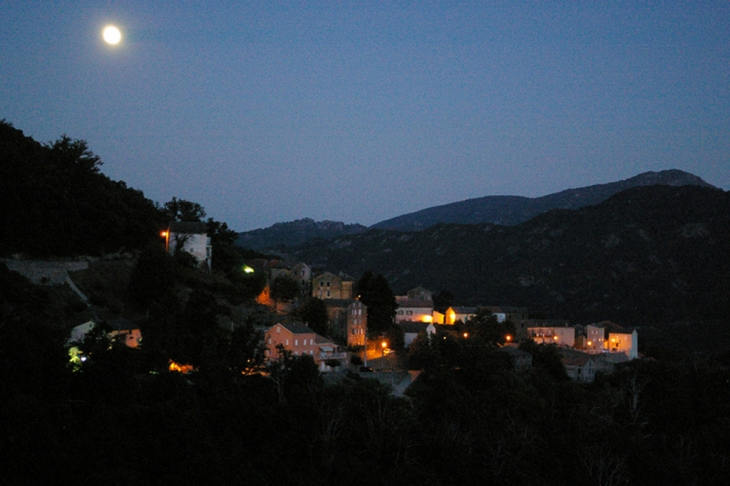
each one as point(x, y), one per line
point(112, 35)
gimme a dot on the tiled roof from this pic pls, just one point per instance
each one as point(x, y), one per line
point(297, 327)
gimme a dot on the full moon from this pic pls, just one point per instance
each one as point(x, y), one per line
point(112, 35)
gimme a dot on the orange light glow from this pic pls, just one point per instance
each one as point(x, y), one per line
point(555, 338)
point(180, 368)
point(384, 344)
point(466, 335)
point(508, 337)
point(163, 234)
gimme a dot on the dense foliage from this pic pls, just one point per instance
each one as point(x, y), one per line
point(470, 419)
point(57, 203)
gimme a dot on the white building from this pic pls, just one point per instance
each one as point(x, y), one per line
point(192, 238)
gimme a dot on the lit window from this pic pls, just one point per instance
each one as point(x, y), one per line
point(296, 342)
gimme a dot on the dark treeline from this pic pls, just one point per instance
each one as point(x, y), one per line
point(121, 418)
point(56, 202)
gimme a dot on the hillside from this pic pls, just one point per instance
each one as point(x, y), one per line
point(648, 255)
point(56, 202)
point(512, 210)
point(293, 233)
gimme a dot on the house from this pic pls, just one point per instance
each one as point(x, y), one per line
point(504, 314)
point(608, 337)
point(124, 329)
point(579, 366)
point(412, 329)
point(192, 238)
point(331, 286)
point(562, 336)
point(414, 310)
point(300, 339)
point(454, 314)
point(520, 360)
point(302, 273)
point(521, 327)
point(357, 323)
point(623, 342)
point(419, 293)
point(129, 332)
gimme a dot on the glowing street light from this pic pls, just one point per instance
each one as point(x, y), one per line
point(166, 235)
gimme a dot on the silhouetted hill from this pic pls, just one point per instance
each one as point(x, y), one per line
point(56, 202)
point(511, 210)
point(645, 256)
point(282, 235)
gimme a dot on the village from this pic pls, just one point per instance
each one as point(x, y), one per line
point(586, 349)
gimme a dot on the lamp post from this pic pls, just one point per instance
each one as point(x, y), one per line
point(166, 234)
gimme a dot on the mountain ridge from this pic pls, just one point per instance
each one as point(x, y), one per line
point(502, 210)
point(511, 210)
point(648, 255)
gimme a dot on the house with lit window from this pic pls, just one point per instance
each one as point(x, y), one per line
point(331, 286)
point(414, 310)
point(623, 342)
point(562, 336)
point(191, 238)
point(300, 339)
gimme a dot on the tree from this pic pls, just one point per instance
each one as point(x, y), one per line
point(484, 327)
point(152, 277)
point(246, 352)
point(376, 294)
point(284, 288)
point(314, 314)
point(68, 153)
point(443, 300)
point(181, 210)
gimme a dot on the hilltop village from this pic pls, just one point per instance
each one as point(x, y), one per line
point(585, 349)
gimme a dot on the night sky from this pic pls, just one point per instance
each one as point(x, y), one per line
point(266, 111)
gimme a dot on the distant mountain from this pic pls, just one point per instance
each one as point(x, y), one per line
point(646, 256)
point(512, 210)
point(283, 235)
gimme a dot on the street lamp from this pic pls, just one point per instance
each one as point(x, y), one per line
point(384, 345)
point(166, 235)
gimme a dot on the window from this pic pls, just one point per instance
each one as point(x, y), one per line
point(278, 330)
point(311, 341)
point(328, 284)
point(287, 342)
point(296, 342)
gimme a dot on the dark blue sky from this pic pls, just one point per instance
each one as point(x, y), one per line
point(361, 111)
